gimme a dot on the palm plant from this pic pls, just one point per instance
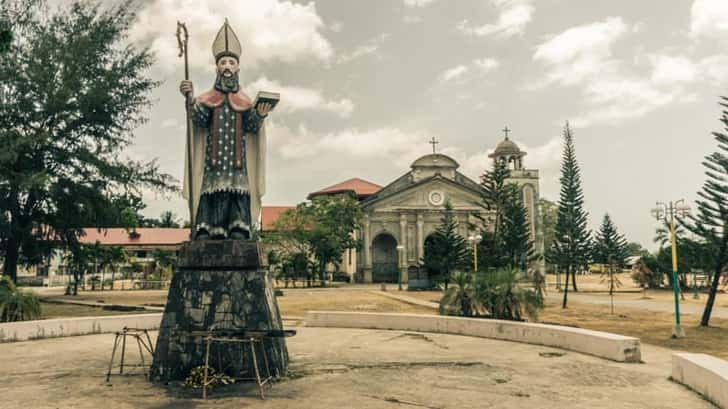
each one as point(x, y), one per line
point(15, 304)
point(507, 294)
point(459, 298)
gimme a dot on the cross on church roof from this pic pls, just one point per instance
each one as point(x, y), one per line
point(505, 131)
point(433, 142)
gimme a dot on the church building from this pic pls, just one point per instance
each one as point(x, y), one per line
point(399, 217)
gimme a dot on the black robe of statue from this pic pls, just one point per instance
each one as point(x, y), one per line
point(224, 208)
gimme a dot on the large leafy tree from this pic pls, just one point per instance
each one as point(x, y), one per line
point(570, 249)
point(446, 250)
point(320, 230)
point(711, 220)
point(73, 94)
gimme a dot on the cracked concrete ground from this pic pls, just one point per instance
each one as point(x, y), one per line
point(346, 368)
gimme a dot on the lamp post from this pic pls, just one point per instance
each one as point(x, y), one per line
point(475, 239)
point(667, 213)
point(400, 262)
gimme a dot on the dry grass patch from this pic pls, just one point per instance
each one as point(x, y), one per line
point(650, 327)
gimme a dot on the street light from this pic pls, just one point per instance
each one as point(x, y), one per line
point(400, 248)
point(475, 239)
point(662, 212)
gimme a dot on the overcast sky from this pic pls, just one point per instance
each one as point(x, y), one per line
point(365, 84)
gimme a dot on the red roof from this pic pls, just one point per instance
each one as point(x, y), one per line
point(147, 236)
point(360, 187)
point(269, 215)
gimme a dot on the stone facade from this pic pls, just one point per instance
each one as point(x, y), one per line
point(399, 218)
point(221, 284)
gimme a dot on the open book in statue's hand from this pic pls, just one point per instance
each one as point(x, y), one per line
point(271, 98)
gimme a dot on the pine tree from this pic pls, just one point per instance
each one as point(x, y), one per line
point(446, 250)
point(507, 241)
point(610, 249)
point(711, 220)
point(515, 235)
point(569, 251)
point(497, 192)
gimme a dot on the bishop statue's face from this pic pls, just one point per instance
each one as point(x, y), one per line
point(227, 66)
point(227, 74)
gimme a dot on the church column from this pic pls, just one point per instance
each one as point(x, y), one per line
point(420, 238)
point(403, 243)
point(367, 251)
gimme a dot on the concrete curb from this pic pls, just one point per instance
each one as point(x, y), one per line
point(602, 344)
point(705, 374)
point(66, 327)
point(69, 327)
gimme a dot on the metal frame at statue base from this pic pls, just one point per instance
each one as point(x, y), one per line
point(143, 340)
point(251, 338)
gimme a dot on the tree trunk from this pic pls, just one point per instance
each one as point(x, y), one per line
point(322, 272)
point(566, 289)
point(113, 272)
point(573, 280)
point(10, 268)
point(713, 290)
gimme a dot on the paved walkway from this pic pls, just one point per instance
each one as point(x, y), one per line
point(347, 368)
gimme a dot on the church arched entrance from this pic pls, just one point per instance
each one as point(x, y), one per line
point(385, 267)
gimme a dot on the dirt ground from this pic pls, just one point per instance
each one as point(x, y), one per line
point(345, 368)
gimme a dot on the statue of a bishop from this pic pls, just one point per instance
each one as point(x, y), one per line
point(225, 175)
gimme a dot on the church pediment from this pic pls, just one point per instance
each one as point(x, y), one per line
point(427, 194)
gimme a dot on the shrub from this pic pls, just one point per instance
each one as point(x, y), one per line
point(16, 304)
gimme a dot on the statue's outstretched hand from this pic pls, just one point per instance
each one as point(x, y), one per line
point(185, 87)
point(263, 108)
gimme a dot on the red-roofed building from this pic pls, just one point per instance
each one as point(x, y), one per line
point(360, 187)
point(139, 243)
point(269, 215)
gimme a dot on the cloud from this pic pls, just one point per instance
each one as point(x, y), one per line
point(616, 99)
point(583, 56)
point(513, 18)
point(669, 69)
point(418, 3)
point(581, 51)
point(269, 30)
point(454, 73)
point(294, 98)
point(385, 143)
point(370, 47)
point(462, 73)
point(709, 18)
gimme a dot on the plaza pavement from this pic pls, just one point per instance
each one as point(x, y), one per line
point(346, 368)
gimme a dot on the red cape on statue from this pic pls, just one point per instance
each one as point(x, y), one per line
point(214, 98)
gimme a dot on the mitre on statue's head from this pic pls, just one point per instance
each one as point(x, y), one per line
point(226, 43)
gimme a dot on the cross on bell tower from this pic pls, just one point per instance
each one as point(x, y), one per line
point(433, 142)
point(506, 131)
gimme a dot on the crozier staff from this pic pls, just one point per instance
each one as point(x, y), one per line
point(225, 175)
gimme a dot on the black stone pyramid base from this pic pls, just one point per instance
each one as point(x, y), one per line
point(220, 284)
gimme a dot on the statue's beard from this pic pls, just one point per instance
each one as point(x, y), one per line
point(227, 83)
